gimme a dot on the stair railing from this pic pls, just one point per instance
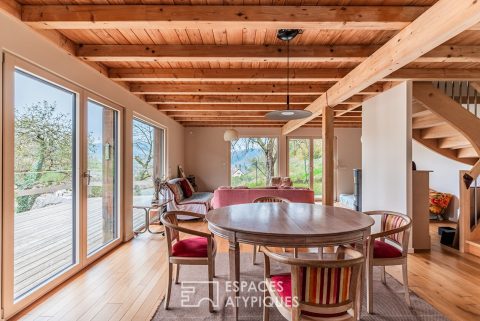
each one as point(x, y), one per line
point(463, 92)
point(467, 95)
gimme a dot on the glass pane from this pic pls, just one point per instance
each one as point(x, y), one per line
point(317, 167)
point(299, 161)
point(253, 161)
point(148, 142)
point(102, 176)
point(44, 165)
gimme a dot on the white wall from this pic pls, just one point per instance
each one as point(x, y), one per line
point(445, 175)
point(207, 154)
point(386, 150)
point(20, 40)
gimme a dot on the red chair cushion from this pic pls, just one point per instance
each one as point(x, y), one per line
point(192, 247)
point(283, 285)
point(383, 250)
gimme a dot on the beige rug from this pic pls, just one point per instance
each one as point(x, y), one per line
point(185, 302)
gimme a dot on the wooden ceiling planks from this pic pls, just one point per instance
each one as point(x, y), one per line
point(177, 71)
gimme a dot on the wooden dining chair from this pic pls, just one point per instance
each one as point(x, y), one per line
point(198, 250)
point(388, 247)
point(266, 199)
point(315, 289)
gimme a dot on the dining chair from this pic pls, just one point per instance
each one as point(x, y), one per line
point(388, 247)
point(315, 289)
point(266, 199)
point(197, 250)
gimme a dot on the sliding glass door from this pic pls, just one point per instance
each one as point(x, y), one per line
point(101, 175)
point(44, 182)
point(305, 163)
point(60, 181)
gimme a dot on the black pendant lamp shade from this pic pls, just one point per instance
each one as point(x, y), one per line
point(288, 114)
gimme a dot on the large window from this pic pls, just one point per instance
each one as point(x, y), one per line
point(253, 161)
point(148, 164)
point(44, 181)
point(305, 166)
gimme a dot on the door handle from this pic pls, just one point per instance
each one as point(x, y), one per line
point(87, 176)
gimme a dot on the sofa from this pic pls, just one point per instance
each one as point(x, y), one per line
point(226, 196)
point(197, 202)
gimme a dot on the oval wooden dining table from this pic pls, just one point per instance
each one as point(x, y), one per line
point(285, 225)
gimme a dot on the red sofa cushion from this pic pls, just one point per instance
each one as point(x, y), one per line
point(186, 189)
point(383, 250)
point(192, 247)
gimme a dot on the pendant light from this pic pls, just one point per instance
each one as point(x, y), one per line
point(230, 134)
point(288, 114)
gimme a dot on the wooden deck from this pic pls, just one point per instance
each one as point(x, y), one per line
point(43, 241)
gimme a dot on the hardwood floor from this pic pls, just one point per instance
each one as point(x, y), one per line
point(129, 283)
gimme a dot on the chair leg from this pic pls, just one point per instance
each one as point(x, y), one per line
point(266, 303)
point(405, 283)
point(254, 257)
point(213, 266)
point(177, 272)
point(358, 300)
point(210, 286)
point(369, 288)
point(169, 286)
point(382, 275)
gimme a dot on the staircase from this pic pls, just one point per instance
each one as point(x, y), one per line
point(446, 119)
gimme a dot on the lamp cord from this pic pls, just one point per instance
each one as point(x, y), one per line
point(288, 74)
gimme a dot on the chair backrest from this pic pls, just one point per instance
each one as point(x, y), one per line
point(172, 235)
point(271, 199)
point(399, 224)
point(324, 286)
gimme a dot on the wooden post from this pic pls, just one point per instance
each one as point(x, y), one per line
point(327, 157)
point(108, 174)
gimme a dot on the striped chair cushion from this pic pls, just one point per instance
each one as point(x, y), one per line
point(391, 222)
point(325, 285)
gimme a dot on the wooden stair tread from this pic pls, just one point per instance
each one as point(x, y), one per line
point(454, 142)
point(468, 152)
point(441, 131)
point(427, 121)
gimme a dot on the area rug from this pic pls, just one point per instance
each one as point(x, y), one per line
point(186, 302)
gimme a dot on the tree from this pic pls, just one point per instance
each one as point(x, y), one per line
point(43, 149)
point(265, 163)
point(143, 149)
point(300, 148)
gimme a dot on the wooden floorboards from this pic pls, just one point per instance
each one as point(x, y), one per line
point(129, 283)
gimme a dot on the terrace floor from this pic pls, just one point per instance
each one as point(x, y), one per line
point(43, 241)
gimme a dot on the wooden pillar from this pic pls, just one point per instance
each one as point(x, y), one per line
point(327, 156)
point(127, 181)
point(108, 145)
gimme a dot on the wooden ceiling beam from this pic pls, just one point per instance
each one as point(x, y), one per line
point(444, 20)
point(245, 124)
point(261, 53)
point(248, 119)
point(220, 107)
point(219, 17)
point(239, 89)
point(278, 74)
point(240, 99)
